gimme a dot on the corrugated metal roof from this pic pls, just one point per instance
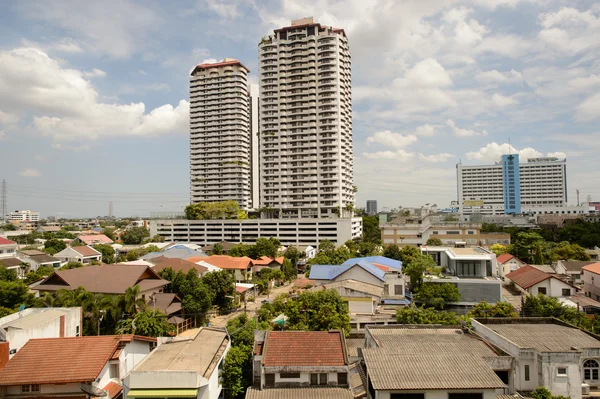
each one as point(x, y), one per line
point(299, 393)
point(331, 272)
point(35, 319)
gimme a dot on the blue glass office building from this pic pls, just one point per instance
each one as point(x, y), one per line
point(511, 183)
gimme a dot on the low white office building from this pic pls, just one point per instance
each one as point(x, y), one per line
point(24, 215)
point(306, 231)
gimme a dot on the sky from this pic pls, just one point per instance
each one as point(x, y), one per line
point(94, 95)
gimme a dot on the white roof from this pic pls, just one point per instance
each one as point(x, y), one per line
point(210, 267)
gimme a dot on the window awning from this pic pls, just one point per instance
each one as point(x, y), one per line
point(163, 393)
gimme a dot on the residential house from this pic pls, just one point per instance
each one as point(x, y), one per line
point(92, 239)
point(473, 270)
point(82, 254)
point(48, 229)
point(266, 262)
point(594, 254)
point(591, 280)
point(177, 265)
point(18, 328)
point(547, 352)
point(362, 271)
point(508, 263)
point(240, 267)
point(430, 362)
point(177, 251)
point(308, 251)
point(532, 281)
point(186, 367)
point(299, 359)
point(362, 298)
point(572, 268)
point(8, 248)
point(380, 262)
point(105, 279)
point(73, 367)
point(37, 259)
point(15, 264)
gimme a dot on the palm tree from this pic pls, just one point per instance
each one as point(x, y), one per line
point(113, 305)
point(133, 300)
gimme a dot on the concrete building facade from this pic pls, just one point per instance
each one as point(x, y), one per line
point(220, 140)
point(503, 188)
point(371, 207)
point(25, 215)
point(306, 121)
point(306, 231)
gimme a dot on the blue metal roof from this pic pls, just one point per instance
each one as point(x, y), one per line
point(382, 260)
point(396, 301)
point(331, 272)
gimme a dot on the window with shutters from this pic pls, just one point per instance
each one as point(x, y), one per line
point(314, 379)
point(527, 376)
point(269, 380)
point(323, 379)
point(342, 378)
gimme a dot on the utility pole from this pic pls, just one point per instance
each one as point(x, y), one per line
point(3, 204)
point(110, 210)
point(577, 196)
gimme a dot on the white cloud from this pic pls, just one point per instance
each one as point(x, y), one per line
point(117, 28)
point(66, 45)
point(66, 107)
point(569, 30)
point(558, 154)
point(426, 130)
point(30, 172)
point(507, 45)
point(493, 152)
point(395, 140)
point(95, 73)
point(226, 9)
point(398, 155)
point(496, 77)
point(503, 101)
point(443, 157)
point(6, 118)
point(463, 132)
point(589, 109)
point(426, 73)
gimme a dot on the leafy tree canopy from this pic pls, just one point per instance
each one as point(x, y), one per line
point(434, 242)
point(108, 252)
point(437, 295)
point(134, 235)
point(213, 210)
point(500, 309)
point(415, 315)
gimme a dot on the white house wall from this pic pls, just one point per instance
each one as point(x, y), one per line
point(438, 394)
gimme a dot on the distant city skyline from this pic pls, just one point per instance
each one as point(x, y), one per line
point(99, 111)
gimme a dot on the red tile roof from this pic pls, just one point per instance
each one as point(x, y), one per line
point(225, 261)
point(220, 64)
point(506, 257)
point(527, 276)
point(265, 260)
point(93, 239)
point(113, 389)
point(59, 360)
point(304, 348)
point(4, 241)
point(593, 268)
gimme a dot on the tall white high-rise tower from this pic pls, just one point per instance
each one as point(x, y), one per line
point(305, 142)
point(220, 139)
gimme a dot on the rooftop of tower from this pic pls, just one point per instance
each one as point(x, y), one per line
point(224, 62)
point(306, 22)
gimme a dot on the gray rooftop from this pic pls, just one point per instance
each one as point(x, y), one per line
point(426, 357)
point(544, 337)
point(198, 354)
point(35, 318)
point(299, 393)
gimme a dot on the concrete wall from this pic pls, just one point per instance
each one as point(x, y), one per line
point(568, 385)
point(553, 288)
point(359, 274)
point(304, 380)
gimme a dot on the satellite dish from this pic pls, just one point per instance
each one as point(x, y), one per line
point(92, 390)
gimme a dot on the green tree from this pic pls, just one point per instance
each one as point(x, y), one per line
point(237, 371)
point(222, 287)
point(437, 295)
point(415, 315)
point(529, 247)
point(326, 246)
point(289, 271)
point(54, 246)
point(321, 310)
point(71, 265)
point(134, 235)
point(293, 254)
point(239, 250)
point(148, 323)
point(408, 253)
point(108, 252)
point(567, 251)
point(434, 242)
point(241, 330)
point(264, 247)
point(544, 393)
point(392, 251)
point(133, 301)
point(8, 274)
point(500, 309)
point(213, 210)
point(14, 293)
point(371, 231)
point(40, 273)
point(110, 233)
point(499, 249)
point(416, 268)
point(217, 249)
point(8, 227)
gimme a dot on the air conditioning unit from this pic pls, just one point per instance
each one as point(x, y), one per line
point(585, 389)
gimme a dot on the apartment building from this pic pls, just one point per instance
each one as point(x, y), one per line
point(306, 121)
point(416, 230)
point(505, 188)
point(25, 215)
point(371, 207)
point(297, 232)
point(220, 140)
